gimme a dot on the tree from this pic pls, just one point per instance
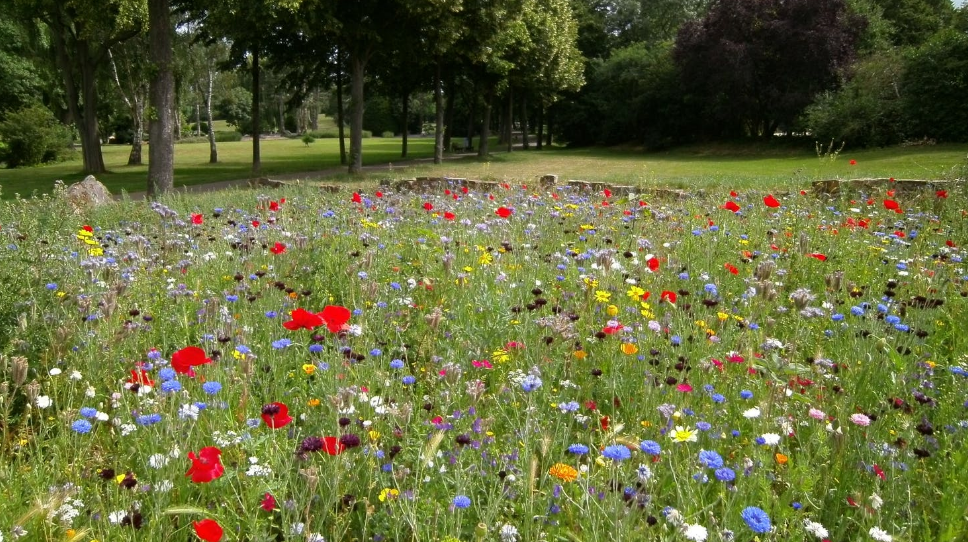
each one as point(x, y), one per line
point(82, 32)
point(934, 86)
point(756, 64)
point(914, 21)
point(130, 72)
point(161, 150)
point(22, 80)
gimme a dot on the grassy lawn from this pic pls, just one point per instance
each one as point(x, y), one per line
point(707, 165)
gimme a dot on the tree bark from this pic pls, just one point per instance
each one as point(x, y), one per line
point(509, 120)
point(282, 116)
point(540, 121)
point(449, 114)
point(357, 71)
point(212, 147)
point(137, 111)
point(524, 122)
point(256, 113)
point(406, 122)
point(198, 119)
point(161, 151)
point(339, 109)
point(439, 124)
point(314, 111)
point(551, 119)
point(485, 126)
point(471, 117)
point(87, 123)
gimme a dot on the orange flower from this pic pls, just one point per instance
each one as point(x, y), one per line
point(782, 459)
point(629, 349)
point(565, 473)
point(580, 354)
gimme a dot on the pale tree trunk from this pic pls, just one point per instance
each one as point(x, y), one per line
point(540, 121)
point(282, 116)
point(524, 122)
point(357, 71)
point(439, 124)
point(161, 151)
point(256, 113)
point(406, 119)
point(137, 111)
point(212, 147)
point(198, 119)
point(509, 120)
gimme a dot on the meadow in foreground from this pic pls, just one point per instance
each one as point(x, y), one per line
point(517, 365)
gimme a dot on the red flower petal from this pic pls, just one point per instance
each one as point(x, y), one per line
point(891, 205)
point(653, 264)
point(183, 360)
point(335, 317)
point(818, 256)
point(333, 446)
point(357, 198)
point(303, 319)
point(279, 419)
point(268, 503)
point(503, 212)
point(731, 206)
point(208, 530)
point(668, 296)
point(428, 206)
point(206, 466)
point(771, 202)
point(278, 248)
point(197, 219)
point(731, 268)
point(449, 215)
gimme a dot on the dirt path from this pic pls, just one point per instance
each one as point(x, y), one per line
point(305, 175)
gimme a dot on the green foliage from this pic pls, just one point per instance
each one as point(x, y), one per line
point(866, 111)
point(33, 136)
point(307, 139)
point(912, 22)
point(223, 136)
point(235, 107)
point(22, 80)
point(378, 116)
point(204, 125)
point(934, 87)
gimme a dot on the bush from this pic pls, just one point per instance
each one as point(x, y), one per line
point(333, 133)
point(33, 136)
point(387, 134)
point(934, 87)
point(192, 139)
point(194, 128)
point(227, 136)
point(866, 111)
point(378, 116)
point(307, 139)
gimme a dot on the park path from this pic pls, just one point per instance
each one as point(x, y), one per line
point(314, 175)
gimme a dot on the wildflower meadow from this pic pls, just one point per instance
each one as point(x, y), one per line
point(503, 363)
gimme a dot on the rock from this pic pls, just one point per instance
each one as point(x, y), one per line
point(548, 181)
point(87, 194)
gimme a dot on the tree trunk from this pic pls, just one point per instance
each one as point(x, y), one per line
point(357, 71)
point(256, 113)
point(470, 123)
point(339, 110)
point(449, 115)
point(137, 111)
point(485, 126)
point(509, 120)
point(406, 122)
point(540, 121)
point(314, 111)
point(198, 120)
point(439, 124)
point(282, 116)
point(551, 119)
point(161, 151)
point(502, 130)
point(212, 148)
point(524, 122)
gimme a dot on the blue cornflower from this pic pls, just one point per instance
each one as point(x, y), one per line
point(757, 519)
point(231, 298)
point(683, 276)
point(408, 380)
point(242, 349)
point(315, 348)
point(148, 419)
point(530, 383)
point(82, 426)
point(746, 394)
point(578, 449)
point(892, 319)
point(718, 398)
point(760, 441)
point(462, 501)
point(166, 373)
point(396, 364)
point(711, 289)
point(51, 285)
point(171, 386)
point(725, 474)
point(88, 412)
point(796, 505)
point(211, 387)
point(281, 343)
point(837, 317)
point(570, 406)
point(650, 447)
point(271, 314)
point(154, 354)
point(395, 285)
point(617, 452)
point(710, 459)
point(703, 426)
point(376, 352)
point(675, 340)
point(857, 311)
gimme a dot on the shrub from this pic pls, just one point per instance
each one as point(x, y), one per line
point(934, 87)
point(204, 125)
point(33, 136)
point(307, 139)
point(227, 136)
point(387, 134)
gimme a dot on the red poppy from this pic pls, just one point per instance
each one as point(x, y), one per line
point(503, 212)
point(449, 215)
point(276, 415)
point(274, 206)
point(303, 319)
point(643, 203)
point(879, 472)
point(428, 206)
point(733, 194)
point(183, 360)
point(278, 248)
point(139, 376)
point(87, 228)
point(731, 206)
point(818, 256)
point(803, 192)
point(645, 296)
point(612, 330)
point(608, 193)
point(378, 194)
point(950, 243)
point(208, 530)
point(770, 201)
point(853, 162)
point(333, 446)
point(892, 205)
point(463, 189)
point(206, 466)
point(943, 194)
point(335, 317)
point(668, 296)
point(653, 264)
point(890, 193)
point(603, 423)
point(256, 223)
point(197, 219)
point(268, 502)
point(731, 268)
point(357, 198)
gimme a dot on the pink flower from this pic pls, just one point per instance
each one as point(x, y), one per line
point(860, 419)
point(817, 414)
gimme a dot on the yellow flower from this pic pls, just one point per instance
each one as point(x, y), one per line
point(611, 310)
point(681, 434)
point(602, 296)
point(500, 356)
point(722, 316)
point(630, 349)
point(313, 402)
point(485, 258)
point(563, 472)
point(635, 293)
point(374, 435)
point(388, 493)
point(309, 368)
